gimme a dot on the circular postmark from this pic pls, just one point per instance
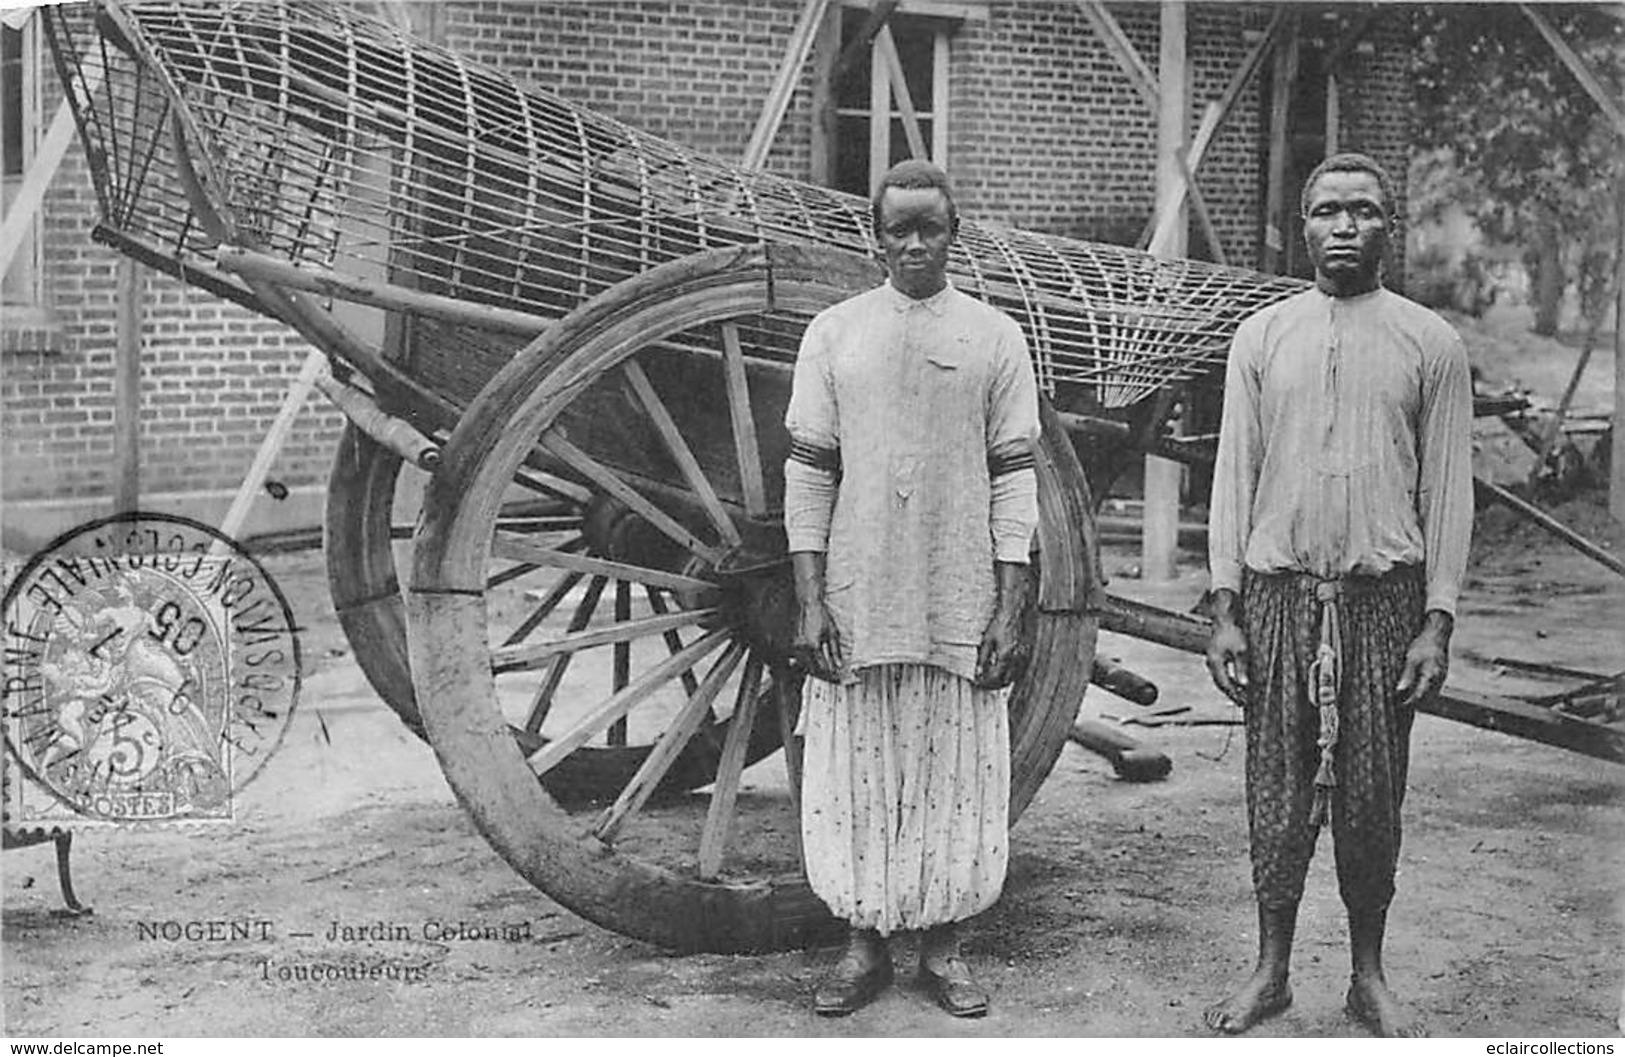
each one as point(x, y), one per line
point(151, 670)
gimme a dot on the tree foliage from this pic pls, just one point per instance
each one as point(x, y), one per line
point(1531, 156)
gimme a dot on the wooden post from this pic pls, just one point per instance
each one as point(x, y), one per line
point(1160, 536)
point(887, 50)
point(127, 389)
point(825, 51)
point(1332, 63)
point(1334, 114)
point(1616, 472)
point(1272, 252)
point(784, 84)
point(1217, 113)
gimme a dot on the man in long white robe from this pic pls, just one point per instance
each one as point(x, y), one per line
point(910, 505)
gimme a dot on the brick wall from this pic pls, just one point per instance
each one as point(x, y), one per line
point(1049, 134)
point(1045, 133)
point(695, 73)
point(1376, 101)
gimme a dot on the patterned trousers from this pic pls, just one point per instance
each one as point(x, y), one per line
point(1379, 616)
point(905, 796)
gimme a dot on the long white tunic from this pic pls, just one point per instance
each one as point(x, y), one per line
point(912, 425)
point(915, 399)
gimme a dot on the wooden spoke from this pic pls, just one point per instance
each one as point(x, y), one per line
point(544, 608)
point(511, 573)
point(539, 523)
point(746, 446)
point(620, 704)
point(557, 487)
point(680, 452)
point(782, 689)
point(623, 657)
point(514, 572)
point(670, 744)
point(524, 658)
point(674, 641)
point(542, 701)
point(522, 549)
point(605, 478)
point(719, 818)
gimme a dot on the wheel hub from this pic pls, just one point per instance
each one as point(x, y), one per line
point(755, 591)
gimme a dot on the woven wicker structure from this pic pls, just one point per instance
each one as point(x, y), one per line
point(324, 138)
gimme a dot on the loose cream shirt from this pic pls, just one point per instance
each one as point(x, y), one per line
point(1345, 445)
point(916, 396)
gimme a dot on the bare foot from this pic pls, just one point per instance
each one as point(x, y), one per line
point(1261, 997)
point(1374, 1005)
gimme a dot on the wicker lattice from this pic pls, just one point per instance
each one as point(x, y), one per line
point(327, 138)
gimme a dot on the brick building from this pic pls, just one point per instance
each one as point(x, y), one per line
point(1022, 101)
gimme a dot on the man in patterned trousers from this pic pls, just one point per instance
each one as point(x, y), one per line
point(1342, 507)
point(910, 504)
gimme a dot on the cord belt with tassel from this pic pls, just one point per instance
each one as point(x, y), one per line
point(1326, 678)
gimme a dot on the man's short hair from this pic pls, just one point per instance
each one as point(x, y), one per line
point(1351, 161)
point(914, 174)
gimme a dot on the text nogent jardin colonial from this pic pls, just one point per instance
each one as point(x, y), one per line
point(240, 930)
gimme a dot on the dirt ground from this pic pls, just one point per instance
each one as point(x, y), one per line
point(1128, 906)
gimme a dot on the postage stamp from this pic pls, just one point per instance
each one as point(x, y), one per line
point(151, 670)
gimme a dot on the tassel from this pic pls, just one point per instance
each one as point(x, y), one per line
point(1324, 677)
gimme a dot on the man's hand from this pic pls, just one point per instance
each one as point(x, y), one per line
point(1427, 661)
point(1003, 653)
point(1227, 649)
point(816, 646)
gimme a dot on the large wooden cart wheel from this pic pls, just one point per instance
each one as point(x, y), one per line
point(361, 545)
point(666, 395)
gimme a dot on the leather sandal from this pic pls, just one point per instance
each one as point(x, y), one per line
point(848, 989)
point(955, 991)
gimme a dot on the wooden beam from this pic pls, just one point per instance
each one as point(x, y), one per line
point(784, 84)
point(1123, 50)
point(1334, 114)
point(1616, 471)
point(1218, 112)
point(293, 402)
point(1159, 542)
point(886, 48)
point(1171, 197)
point(127, 388)
point(1203, 216)
point(36, 181)
point(858, 47)
point(1504, 714)
point(1521, 719)
point(1539, 517)
point(1173, 98)
point(1582, 70)
point(742, 418)
point(1272, 253)
point(821, 150)
point(344, 287)
point(879, 120)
